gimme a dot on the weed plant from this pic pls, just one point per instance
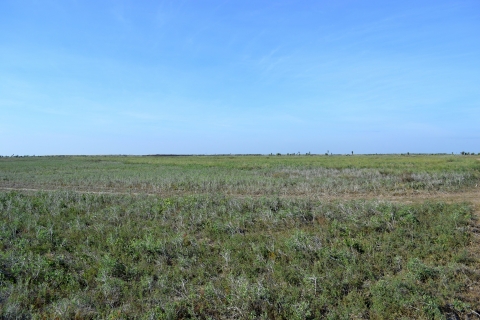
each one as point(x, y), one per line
point(97, 256)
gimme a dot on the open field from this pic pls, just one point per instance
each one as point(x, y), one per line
point(247, 175)
point(241, 237)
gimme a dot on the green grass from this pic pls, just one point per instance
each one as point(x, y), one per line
point(245, 175)
point(71, 255)
point(241, 237)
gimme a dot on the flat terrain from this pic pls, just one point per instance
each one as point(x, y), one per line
point(237, 237)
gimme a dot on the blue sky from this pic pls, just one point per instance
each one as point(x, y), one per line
point(205, 77)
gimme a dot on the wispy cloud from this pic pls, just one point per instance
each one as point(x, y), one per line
point(269, 61)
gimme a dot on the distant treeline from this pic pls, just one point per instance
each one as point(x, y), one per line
point(249, 155)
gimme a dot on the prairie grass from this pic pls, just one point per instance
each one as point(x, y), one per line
point(260, 175)
point(240, 237)
point(90, 256)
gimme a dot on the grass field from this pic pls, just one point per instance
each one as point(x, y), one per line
point(245, 175)
point(240, 237)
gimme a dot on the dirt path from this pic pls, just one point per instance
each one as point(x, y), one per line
point(472, 196)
